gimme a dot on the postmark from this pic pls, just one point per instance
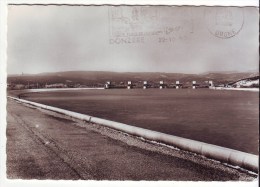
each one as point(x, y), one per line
point(144, 24)
point(224, 22)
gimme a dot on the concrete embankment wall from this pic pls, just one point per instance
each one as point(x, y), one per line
point(60, 89)
point(235, 89)
point(226, 155)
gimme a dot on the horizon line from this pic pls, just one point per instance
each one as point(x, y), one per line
point(50, 72)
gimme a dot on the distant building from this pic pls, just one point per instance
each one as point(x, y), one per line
point(108, 85)
point(57, 85)
point(194, 84)
point(178, 85)
point(145, 85)
point(162, 85)
point(129, 85)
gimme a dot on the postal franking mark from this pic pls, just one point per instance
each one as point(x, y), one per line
point(143, 24)
point(224, 22)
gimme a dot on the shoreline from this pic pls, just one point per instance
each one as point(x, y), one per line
point(226, 155)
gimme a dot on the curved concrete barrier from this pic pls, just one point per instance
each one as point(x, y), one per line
point(55, 109)
point(226, 155)
point(60, 89)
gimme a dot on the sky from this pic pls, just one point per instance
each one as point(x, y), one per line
point(131, 39)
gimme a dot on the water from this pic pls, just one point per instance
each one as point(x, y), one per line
point(224, 118)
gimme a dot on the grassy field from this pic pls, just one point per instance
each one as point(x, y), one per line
point(225, 118)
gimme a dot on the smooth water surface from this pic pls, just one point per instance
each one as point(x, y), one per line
point(224, 118)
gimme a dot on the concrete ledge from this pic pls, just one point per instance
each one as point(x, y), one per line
point(226, 155)
point(235, 89)
point(60, 89)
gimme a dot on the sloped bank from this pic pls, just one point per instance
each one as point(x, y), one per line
point(226, 155)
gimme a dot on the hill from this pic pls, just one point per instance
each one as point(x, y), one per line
point(99, 78)
point(247, 83)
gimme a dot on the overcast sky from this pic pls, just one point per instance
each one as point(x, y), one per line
point(90, 38)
